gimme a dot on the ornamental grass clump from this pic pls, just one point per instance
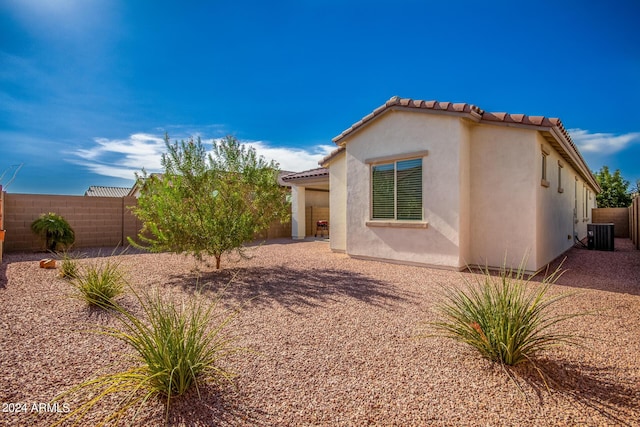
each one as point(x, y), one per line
point(175, 348)
point(506, 317)
point(99, 283)
point(69, 268)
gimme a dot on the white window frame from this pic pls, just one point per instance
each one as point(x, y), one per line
point(394, 222)
point(560, 167)
point(545, 154)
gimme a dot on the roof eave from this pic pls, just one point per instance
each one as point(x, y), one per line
point(325, 162)
point(573, 155)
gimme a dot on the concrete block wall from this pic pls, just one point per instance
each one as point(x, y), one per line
point(313, 214)
point(1, 221)
point(634, 222)
point(618, 216)
point(97, 221)
point(276, 230)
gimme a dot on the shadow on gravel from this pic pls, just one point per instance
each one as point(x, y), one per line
point(214, 406)
point(219, 407)
point(598, 388)
point(291, 287)
point(3, 276)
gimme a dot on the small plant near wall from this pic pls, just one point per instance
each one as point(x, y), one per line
point(69, 268)
point(97, 283)
point(506, 317)
point(55, 230)
point(176, 347)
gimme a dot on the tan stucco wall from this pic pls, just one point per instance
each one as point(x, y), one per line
point(503, 179)
point(398, 133)
point(316, 198)
point(555, 213)
point(483, 196)
point(338, 203)
point(466, 206)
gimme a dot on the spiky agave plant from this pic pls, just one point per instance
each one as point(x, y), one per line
point(506, 317)
point(99, 282)
point(175, 348)
point(69, 266)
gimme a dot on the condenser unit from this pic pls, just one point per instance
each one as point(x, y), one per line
point(600, 237)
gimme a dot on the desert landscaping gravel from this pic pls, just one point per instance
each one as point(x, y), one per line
point(332, 341)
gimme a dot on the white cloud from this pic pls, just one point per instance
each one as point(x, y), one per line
point(292, 159)
point(602, 143)
point(121, 158)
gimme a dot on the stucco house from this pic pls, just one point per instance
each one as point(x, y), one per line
point(450, 185)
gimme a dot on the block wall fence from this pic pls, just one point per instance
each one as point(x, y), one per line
point(634, 222)
point(1, 223)
point(97, 221)
point(618, 216)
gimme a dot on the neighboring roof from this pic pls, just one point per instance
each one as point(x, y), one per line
point(281, 176)
point(552, 128)
point(99, 191)
point(312, 173)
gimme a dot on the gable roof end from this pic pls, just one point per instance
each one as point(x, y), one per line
point(551, 129)
point(396, 102)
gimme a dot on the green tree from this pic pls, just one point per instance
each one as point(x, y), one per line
point(615, 189)
point(208, 203)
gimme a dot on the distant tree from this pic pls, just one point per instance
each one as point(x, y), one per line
point(615, 189)
point(208, 204)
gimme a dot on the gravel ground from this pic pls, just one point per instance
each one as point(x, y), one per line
point(335, 342)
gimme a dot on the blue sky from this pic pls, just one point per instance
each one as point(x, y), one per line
point(88, 88)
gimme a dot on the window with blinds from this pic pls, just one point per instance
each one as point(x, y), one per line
point(397, 190)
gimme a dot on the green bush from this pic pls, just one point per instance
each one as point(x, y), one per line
point(99, 283)
point(176, 348)
point(505, 317)
point(55, 230)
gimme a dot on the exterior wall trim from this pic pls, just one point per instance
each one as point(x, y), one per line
point(401, 156)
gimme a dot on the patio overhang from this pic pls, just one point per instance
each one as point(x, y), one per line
point(314, 179)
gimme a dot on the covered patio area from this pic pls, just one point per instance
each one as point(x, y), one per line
point(309, 202)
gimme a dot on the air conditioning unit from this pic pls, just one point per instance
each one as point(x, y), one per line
point(600, 237)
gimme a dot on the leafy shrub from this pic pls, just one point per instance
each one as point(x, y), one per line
point(176, 347)
point(99, 283)
point(505, 317)
point(55, 230)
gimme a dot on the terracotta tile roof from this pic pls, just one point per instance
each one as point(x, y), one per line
point(398, 102)
point(476, 114)
point(99, 191)
point(281, 175)
point(331, 155)
point(318, 172)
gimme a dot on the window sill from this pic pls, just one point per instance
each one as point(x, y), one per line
point(544, 183)
point(397, 224)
